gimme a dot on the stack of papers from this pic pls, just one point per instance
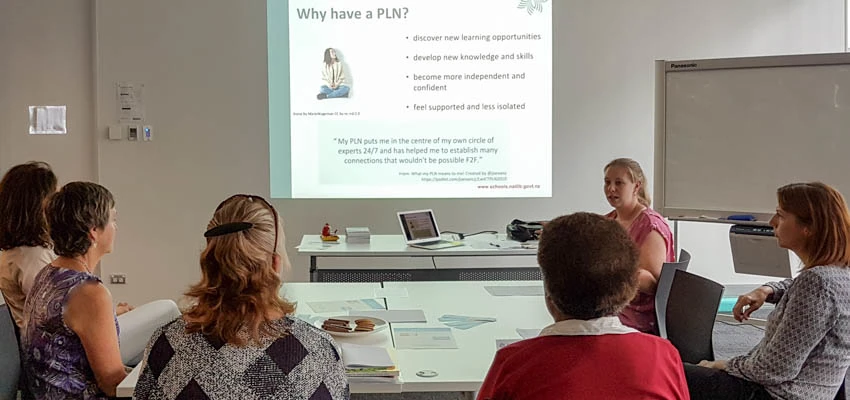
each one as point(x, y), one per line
point(464, 322)
point(357, 235)
point(368, 361)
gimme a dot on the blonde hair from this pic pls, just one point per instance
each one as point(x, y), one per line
point(239, 287)
point(823, 210)
point(636, 175)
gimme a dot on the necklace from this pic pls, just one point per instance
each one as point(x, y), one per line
point(83, 263)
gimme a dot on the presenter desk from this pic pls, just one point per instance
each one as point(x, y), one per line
point(481, 257)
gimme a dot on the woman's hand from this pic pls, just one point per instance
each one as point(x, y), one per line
point(123, 308)
point(719, 364)
point(750, 302)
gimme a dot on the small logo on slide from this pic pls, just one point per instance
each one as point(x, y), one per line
point(676, 66)
point(532, 5)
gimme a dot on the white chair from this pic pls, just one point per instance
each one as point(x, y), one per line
point(138, 326)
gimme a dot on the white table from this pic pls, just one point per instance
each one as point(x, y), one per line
point(463, 369)
point(395, 246)
point(459, 370)
point(303, 293)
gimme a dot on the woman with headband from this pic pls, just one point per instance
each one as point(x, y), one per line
point(238, 336)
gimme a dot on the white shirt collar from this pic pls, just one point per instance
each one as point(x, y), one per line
point(592, 327)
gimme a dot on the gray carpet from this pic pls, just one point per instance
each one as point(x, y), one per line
point(733, 339)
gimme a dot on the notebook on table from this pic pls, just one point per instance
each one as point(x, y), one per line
point(420, 230)
point(368, 361)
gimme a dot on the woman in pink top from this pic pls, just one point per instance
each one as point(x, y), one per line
point(626, 191)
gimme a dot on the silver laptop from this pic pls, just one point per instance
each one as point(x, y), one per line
point(420, 230)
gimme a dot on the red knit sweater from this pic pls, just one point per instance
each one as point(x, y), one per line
point(612, 366)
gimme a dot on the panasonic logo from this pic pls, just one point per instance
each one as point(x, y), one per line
point(691, 65)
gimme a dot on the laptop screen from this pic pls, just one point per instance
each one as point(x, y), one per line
point(419, 226)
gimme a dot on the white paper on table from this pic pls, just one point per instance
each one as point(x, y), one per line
point(317, 245)
point(424, 338)
point(344, 306)
point(528, 333)
point(464, 322)
point(390, 292)
point(394, 315)
point(536, 290)
point(360, 356)
point(384, 380)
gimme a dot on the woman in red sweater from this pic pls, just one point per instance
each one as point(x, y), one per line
point(590, 273)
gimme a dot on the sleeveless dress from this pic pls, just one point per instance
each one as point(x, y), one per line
point(54, 358)
point(640, 313)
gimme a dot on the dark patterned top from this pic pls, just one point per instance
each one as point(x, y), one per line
point(805, 351)
point(54, 357)
point(303, 364)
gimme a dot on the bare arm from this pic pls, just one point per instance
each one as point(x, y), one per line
point(653, 253)
point(89, 314)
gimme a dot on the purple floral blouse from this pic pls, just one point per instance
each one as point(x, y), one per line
point(54, 358)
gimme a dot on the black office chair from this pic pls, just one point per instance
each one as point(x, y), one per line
point(690, 312)
point(10, 361)
point(662, 291)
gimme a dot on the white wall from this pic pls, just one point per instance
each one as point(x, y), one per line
point(46, 59)
point(204, 66)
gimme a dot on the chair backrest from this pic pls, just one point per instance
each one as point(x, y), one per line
point(691, 310)
point(684, 256)
point(662, 291)
point(10, 361)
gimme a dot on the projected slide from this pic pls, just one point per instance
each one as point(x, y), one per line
point(410, 99)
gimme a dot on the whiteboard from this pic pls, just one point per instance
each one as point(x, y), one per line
point(729, 132)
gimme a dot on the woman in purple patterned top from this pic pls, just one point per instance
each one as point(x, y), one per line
point(70, 340)
point(626, 191)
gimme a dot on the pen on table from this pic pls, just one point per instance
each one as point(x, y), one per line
point(494, 244)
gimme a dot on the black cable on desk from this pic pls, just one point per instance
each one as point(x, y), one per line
point(462, 235)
